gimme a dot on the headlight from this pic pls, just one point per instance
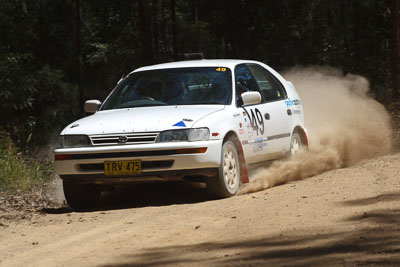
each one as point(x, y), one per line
point(199, 134)
point(67, 141)
point(173, 136)
point(196, 134)
point(60, 141)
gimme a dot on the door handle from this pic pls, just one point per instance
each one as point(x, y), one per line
point(289, 112)
point(266, 116)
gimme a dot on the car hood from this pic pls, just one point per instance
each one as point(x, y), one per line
point(144, 119)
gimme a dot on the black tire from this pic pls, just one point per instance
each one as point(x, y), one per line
point(81, 196)
point(226, 182)
point(295, 145)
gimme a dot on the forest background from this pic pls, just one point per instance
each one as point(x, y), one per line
point(55, 54)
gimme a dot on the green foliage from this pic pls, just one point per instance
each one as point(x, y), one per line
point(31, 99)
point(32, 83)
point(17, 173)
point(38, 49)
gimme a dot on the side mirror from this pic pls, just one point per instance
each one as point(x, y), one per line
point(91, 106)
point(251, 98)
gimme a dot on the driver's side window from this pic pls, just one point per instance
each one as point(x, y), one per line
point(245, 82)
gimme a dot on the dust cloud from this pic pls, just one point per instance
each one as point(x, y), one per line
point(345, 126)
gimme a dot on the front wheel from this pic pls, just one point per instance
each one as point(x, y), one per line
point(81, 196)
point(226, 183)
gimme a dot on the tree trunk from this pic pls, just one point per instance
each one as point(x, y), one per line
point(394, 45)
point(164, 32)
point(173, 30)
point(145, 33)
point(196, 13)
point(197, 45)
point(156, 34)
point(79, 56)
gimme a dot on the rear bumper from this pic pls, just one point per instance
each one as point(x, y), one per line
point(159, 161)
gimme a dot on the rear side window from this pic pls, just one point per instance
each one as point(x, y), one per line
point(270, 88)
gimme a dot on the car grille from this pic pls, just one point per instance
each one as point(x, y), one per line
point(124, 139)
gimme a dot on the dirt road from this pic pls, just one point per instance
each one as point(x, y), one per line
point(343, 217)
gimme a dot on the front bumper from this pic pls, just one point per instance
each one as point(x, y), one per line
point(159, 159)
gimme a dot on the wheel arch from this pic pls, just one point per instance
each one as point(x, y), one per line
point(303, 134)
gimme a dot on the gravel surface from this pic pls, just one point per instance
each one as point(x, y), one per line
point(343, 217)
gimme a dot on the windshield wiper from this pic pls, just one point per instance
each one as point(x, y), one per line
point(207, 103)
point(147, 105)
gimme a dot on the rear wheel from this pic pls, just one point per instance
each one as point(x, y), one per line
point(226, 183)
point(295, 145)
point(81, 196)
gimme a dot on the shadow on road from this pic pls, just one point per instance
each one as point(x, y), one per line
point(145, 195)
point(154, 194)
point(374, 241)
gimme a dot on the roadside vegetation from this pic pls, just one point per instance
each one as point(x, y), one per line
point(17, 172)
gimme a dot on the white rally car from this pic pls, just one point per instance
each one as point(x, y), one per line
point(203, 120)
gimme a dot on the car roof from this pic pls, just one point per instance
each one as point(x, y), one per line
point(229, 63)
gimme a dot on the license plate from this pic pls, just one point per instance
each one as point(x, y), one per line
point(122, 167)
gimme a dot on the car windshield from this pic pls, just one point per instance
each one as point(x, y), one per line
point(183, 86)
